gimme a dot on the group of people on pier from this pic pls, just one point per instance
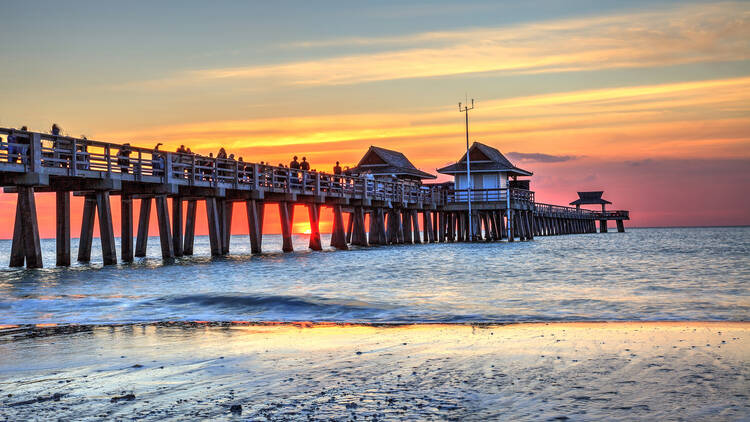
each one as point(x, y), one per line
point(183, 160)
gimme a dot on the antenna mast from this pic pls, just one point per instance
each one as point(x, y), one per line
point(465, 109)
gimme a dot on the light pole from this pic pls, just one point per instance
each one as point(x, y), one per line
point(465, 109)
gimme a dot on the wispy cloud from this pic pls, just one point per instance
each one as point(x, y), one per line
point(690, 119)
point(538, 157)
point(691, 34)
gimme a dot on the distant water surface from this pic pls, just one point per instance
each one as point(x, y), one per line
point(643, 274)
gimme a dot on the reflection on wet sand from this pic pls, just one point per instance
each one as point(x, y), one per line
point(636, 370)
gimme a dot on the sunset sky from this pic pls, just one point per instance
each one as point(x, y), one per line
point(646, 100)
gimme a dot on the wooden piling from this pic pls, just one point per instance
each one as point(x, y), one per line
point(400, 237)
point(359, 237)
point(349, 227)
point(177, 238)
point(373, 230)
point(338, 237)
point(313, 210)
point(489, 234)
point(453, 226)
point(427, 234)
point(286, 211)
point(62, 232)
point(225, 223)
point(144, 217)
point(620, 226)
point(441, 226)
point(435, 225)
point(462, 230)
point(126, 228)
point(511, 225)
point(187, 248)
point(106, 230)
point(530, 224)
point(165, 234)
point(87, 229)
point(26, 231)
point(602, 226)
point(415, 226)
point(17, 251)
point(214, 229)
point(381, 226)
point(406, 231)
point(255, 225)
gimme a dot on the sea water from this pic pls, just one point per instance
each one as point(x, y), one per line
point(691, 274)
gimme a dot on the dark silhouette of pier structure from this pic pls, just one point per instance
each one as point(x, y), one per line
point(37, 162)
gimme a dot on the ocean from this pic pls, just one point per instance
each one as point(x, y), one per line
point(650, 274)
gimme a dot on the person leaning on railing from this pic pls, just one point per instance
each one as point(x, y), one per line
point(157, 161)
point(123, 158)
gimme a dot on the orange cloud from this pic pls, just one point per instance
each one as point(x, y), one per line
point(690, 119)
point(690, 34)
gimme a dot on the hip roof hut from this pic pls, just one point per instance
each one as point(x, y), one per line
point(488, 166)
point(385, 163)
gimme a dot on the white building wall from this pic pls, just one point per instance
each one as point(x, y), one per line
point(482, 181)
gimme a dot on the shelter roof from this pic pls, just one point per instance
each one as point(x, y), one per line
point(590, 198)
point(381, 161)
point(484, 158)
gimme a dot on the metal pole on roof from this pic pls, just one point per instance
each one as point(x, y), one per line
point(465, 110)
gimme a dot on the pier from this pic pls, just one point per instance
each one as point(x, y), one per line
point(367, 210)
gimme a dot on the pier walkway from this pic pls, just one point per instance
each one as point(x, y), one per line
point(378, 212)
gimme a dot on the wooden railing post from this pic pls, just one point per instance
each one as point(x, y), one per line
point(214, 173)
point(35, 152)
point(109, 160)
point(73, 170)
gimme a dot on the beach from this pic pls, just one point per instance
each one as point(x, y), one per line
point(297, 371)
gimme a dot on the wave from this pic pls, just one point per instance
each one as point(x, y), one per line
point(274, 306)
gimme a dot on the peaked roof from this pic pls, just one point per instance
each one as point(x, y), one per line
point(589, 198)
point(484, 158)
point(381, 161)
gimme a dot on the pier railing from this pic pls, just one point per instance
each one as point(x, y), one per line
point(77, 157)
point(562, 211)
point(86, 158)
point(488, 195)
point(612, 215)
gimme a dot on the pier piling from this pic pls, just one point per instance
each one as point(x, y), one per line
point(62, 232)
point(286, 211)
point(144, 218)
point(126, 228)
point(313, 210)
point(177, 237)
point(187, 248)
point(338, 236)
point(255, 224)
point(87, 229)
point(165, 234)
point(106, 229)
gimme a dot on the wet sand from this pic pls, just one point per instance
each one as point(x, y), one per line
point(557, 371)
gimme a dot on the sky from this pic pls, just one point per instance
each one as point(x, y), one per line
point(646, 100)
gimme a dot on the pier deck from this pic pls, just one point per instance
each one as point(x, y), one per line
point(38, 162)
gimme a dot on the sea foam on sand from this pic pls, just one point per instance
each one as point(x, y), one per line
point(537, 371)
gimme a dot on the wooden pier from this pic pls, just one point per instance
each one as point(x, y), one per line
point(366, 211)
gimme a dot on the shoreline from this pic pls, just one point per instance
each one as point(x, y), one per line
point(634, 370)
point(42, 329)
